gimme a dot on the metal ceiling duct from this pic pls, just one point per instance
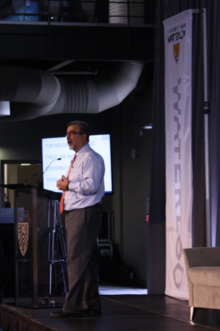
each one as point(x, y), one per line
point(33, 93)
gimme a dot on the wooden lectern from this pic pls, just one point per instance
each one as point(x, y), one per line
point(32, 212)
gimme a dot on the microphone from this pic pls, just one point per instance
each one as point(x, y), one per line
point(59, 158)
point(25, 182)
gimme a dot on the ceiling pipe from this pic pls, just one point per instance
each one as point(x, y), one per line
point(33, 93)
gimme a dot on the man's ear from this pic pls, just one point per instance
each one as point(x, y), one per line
point(84, 136)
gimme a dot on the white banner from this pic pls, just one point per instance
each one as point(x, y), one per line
point(178, 76)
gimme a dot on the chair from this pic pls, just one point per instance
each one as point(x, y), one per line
point(203, 274)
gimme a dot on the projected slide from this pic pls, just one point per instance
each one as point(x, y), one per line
point(56, 158)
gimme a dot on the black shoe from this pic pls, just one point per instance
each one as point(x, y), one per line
point(64, 314)
point(92, 312)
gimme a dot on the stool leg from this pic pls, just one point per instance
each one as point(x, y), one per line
point(192, 313)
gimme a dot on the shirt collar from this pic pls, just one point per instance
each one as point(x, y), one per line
point(83, 149)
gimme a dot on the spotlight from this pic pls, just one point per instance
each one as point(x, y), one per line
point(147, 127)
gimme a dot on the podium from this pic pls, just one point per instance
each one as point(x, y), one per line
point(35, 213)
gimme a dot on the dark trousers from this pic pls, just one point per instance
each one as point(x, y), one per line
point(82, 229)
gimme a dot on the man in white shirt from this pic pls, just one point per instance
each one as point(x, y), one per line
point(83, 190)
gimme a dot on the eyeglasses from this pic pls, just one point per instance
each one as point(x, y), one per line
point(73, 133)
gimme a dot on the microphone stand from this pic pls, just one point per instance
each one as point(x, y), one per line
point(59, 158)
point(25, 182)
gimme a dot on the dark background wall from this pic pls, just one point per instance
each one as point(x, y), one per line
point(21, 141)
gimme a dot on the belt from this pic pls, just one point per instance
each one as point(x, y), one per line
point(97, 205)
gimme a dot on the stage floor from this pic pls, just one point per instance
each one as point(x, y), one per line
point(120, 312)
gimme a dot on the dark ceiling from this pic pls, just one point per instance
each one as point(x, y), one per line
point(76, 39)
point(82, 38)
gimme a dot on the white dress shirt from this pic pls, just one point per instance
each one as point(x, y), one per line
point(86, 180)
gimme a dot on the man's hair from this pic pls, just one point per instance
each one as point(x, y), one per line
point(84, 127)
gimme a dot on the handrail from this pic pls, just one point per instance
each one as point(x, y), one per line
point(125, 12)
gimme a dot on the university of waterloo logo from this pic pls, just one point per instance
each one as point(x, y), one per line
point(23, 237)
point(176, 51)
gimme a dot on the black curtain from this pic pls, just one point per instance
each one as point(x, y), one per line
point(157, 240)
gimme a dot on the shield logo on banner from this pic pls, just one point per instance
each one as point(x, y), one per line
point(176, 51)
point(23, 237)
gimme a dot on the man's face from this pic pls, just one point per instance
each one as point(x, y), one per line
point(75, 139)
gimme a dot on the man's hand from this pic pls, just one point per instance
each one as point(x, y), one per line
point(62, 183)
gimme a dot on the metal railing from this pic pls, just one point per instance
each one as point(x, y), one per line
point(126, 12)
